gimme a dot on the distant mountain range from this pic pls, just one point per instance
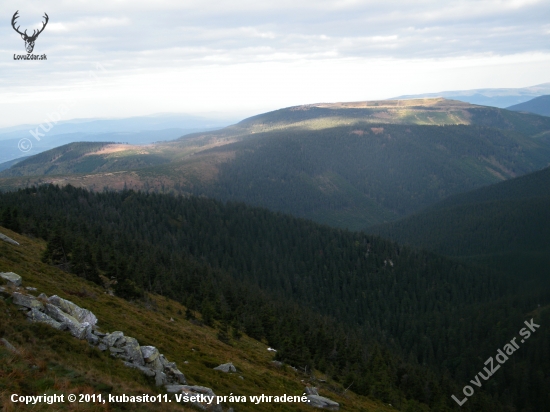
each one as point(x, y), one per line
point(133, 130)
point(538, 105)
point(348, 165)
point(489, 97)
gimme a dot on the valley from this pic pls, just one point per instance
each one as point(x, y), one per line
point(347, 165)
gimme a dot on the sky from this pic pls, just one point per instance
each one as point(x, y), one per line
point(119, 58)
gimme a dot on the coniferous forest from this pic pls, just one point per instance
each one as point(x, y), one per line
point(406, 326)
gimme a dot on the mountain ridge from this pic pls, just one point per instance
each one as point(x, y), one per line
point(539, 105)
point(497, 97)
point(345, 164)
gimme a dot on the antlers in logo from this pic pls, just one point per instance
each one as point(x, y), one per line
point(29, 40)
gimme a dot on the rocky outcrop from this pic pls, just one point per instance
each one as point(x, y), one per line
point(27, 301)
point(63, 314)
point(226, 367)
point(78, 330)
point(36, 315)
point(8, 239)
point(317, 401)
point(81, 315)
point(12, 278)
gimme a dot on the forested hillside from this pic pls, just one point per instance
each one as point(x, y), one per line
point(325, 298)
point(506, 225)
point(539, 105)
point(346, 175)
point(349, 165)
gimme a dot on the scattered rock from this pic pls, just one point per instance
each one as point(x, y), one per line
point(133, 350)
point(8, 239)
point(78, 330)
point(151, 356)
point(27, 301)
point(277, 364)
point(226, 367)
point(35, 315)
point(12, 278)
point(150, 353)
point(160, 378)
point(271, 350)
point(63, 314)
point(31, 289)
point(92, 338)
point(165, 362)
point(114, 339)
point(81, 315)
point(175, 374)
point(323, 403)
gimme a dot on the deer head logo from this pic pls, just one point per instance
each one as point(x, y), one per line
point(29, 40)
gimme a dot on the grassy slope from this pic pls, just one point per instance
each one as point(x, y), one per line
point(54, 362)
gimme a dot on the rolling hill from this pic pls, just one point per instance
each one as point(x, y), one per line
point(490, 97)
point(538, 105)
point(348, 165)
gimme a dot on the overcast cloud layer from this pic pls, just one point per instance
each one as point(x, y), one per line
point(245, 56)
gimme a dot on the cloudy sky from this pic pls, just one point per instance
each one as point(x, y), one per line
point(121, 58)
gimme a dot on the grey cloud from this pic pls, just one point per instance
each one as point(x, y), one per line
point(404, 29)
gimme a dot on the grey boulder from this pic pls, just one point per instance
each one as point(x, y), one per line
point(160, 378)
point(81, 315)
point(27, 301)
point(78, 330)
point(35, 315)
point(226, 367)
point(133, 350)
point(323, 403)
point(151, 356)
point(175, 374)
point(311, 391)
point(115, 339)
point(8, 239)
point(12, 278)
